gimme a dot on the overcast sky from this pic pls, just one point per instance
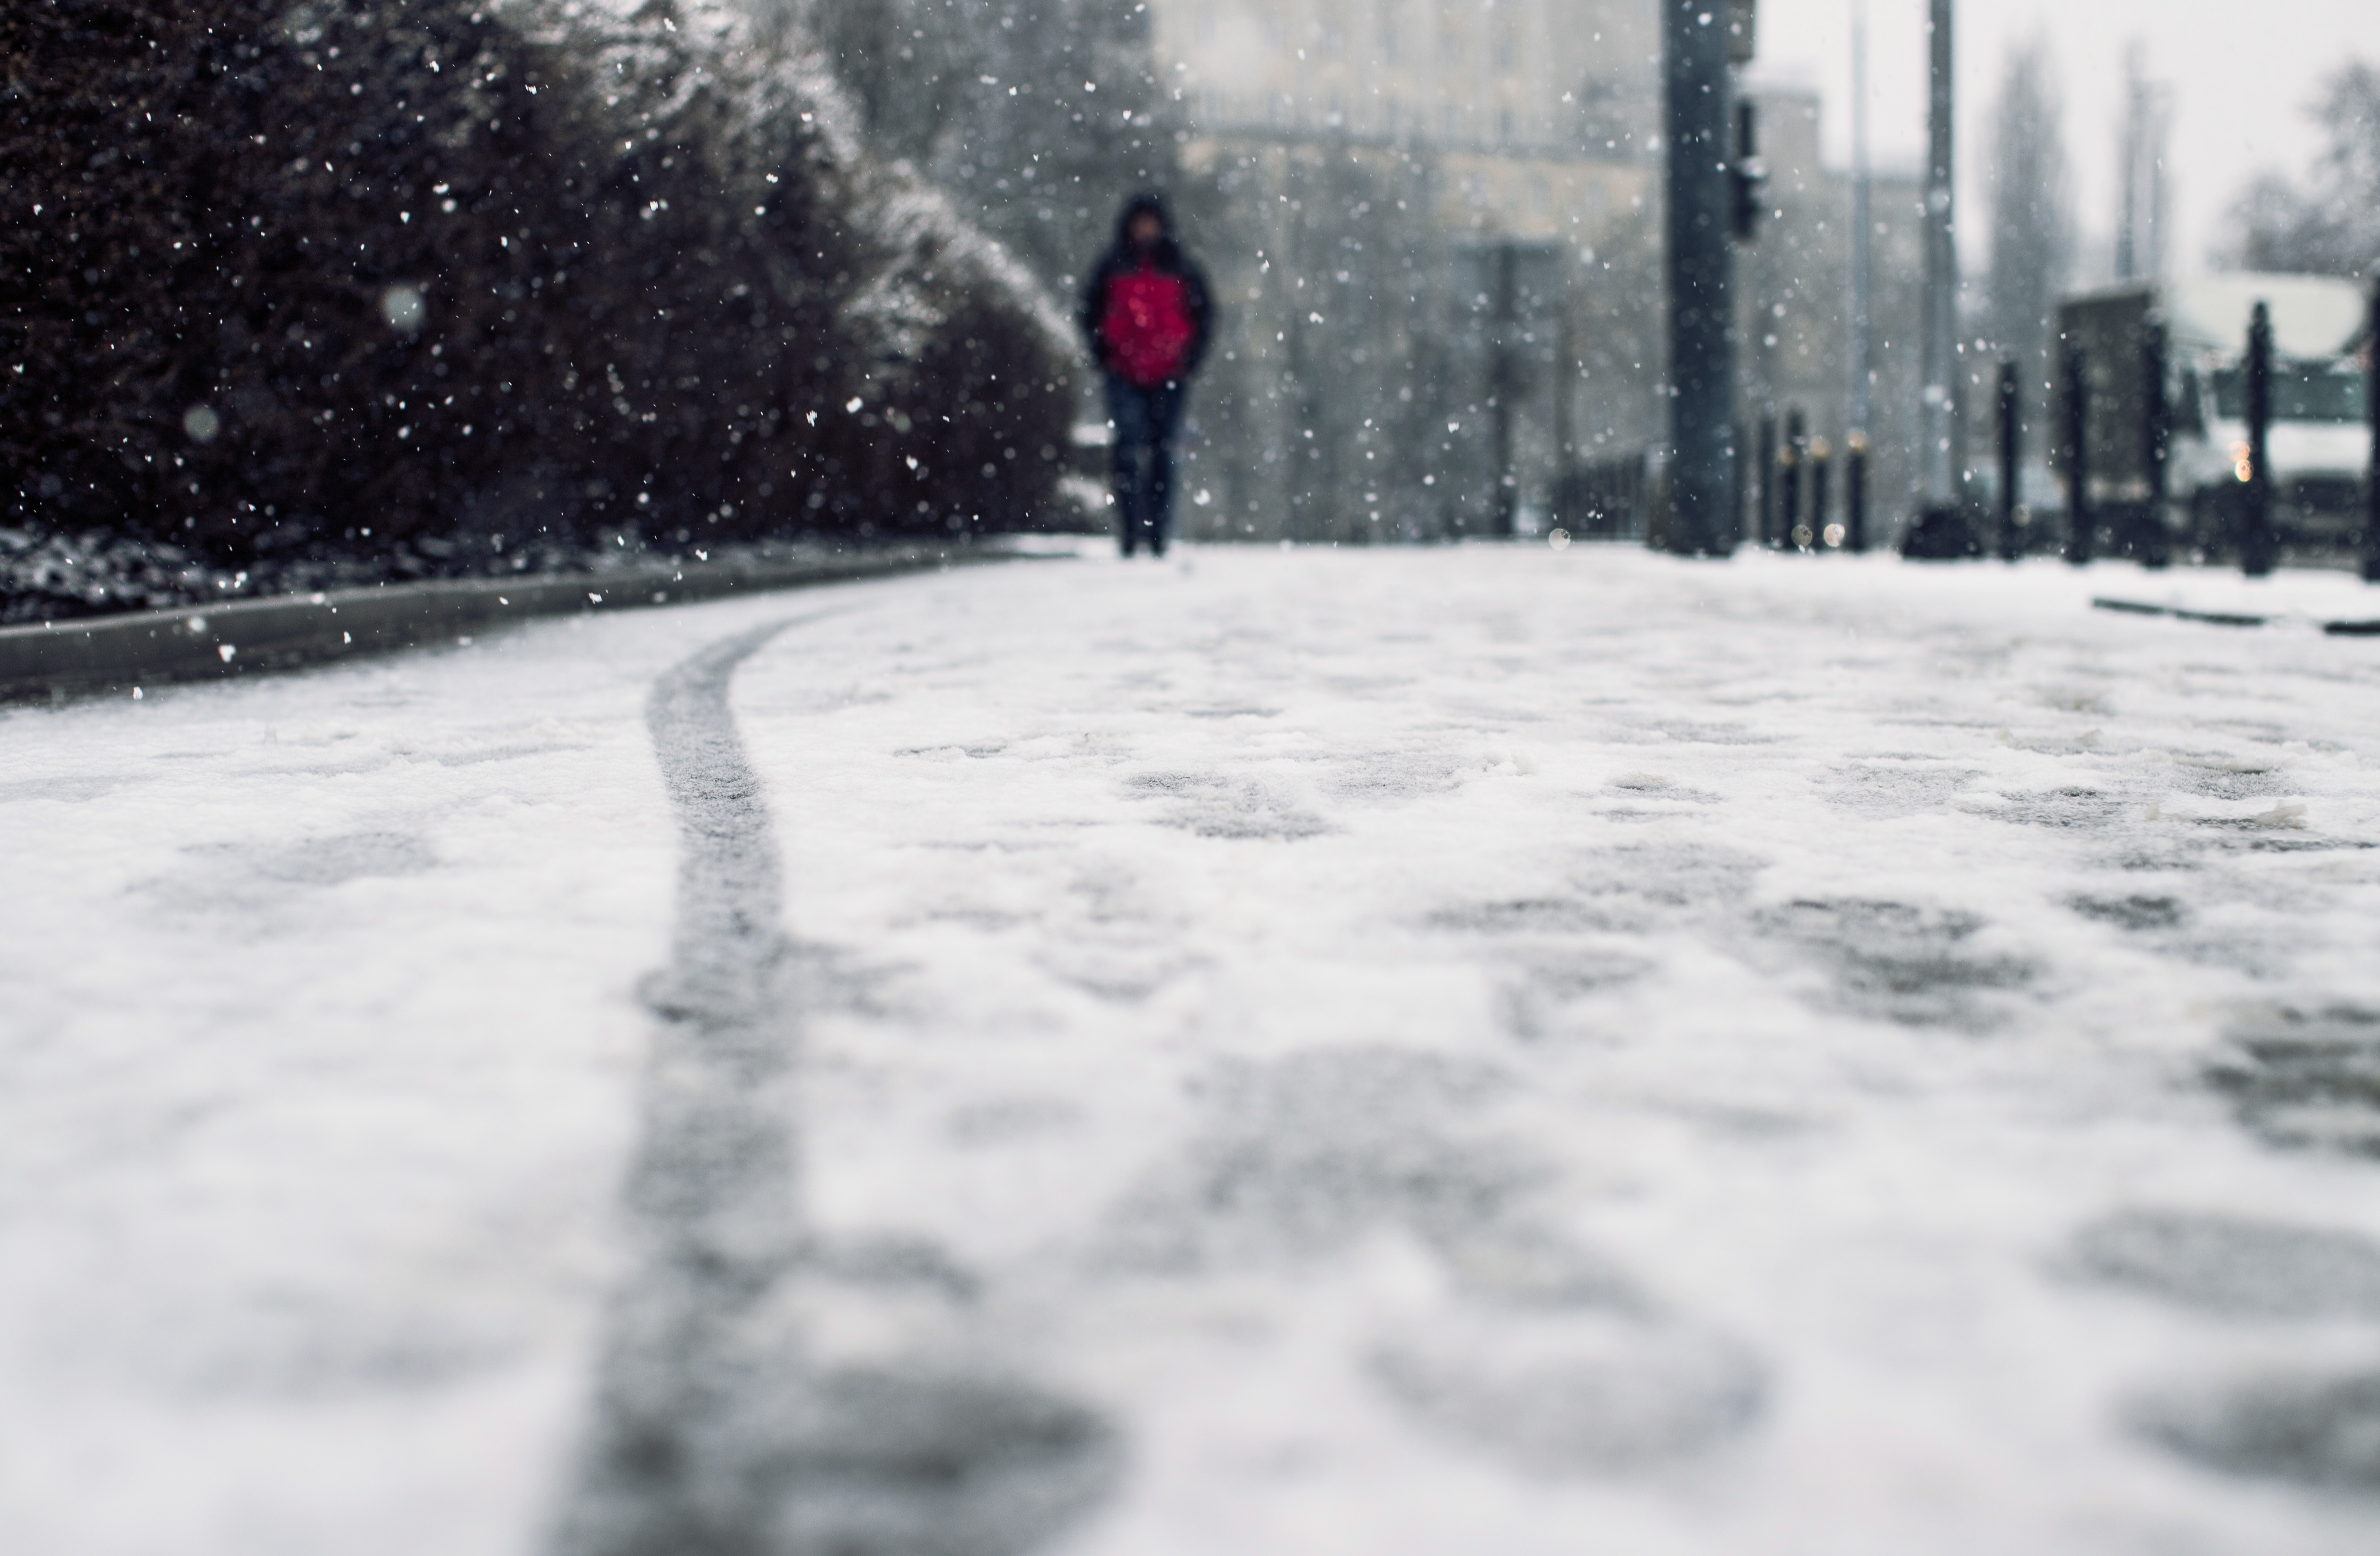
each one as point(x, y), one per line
point(2241, 73)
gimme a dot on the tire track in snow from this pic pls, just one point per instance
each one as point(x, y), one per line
point(717, 1429)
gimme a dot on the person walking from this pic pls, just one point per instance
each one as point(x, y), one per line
point(1146, 314)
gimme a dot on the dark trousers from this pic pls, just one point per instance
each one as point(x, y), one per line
point(1141, 460)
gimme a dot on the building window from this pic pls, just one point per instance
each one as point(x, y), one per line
point(1504, 126)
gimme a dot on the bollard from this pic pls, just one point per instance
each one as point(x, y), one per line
point(1742, 482)
point(2010, 549)
point(1855, 493)
point(1789, 474)
point(2371, 474)
point(2153, 545)
point(1505, 369)
point(1767, 493)
point(1821, 456)
point(2256, 546)
point(2079, 519)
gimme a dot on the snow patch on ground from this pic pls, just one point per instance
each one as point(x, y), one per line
point(1436, 1048)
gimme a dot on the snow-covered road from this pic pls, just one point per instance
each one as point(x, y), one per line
point(1488, 1049)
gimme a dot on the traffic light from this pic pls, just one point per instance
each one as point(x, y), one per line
point(1749, 178)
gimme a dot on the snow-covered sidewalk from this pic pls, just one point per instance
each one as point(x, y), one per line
point(1486, 1049)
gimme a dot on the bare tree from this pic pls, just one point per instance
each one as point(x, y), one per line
point(2033, 224)
point(2331, 224)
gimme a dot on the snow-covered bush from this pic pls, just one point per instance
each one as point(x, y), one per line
point(425, 287)
point(1039, 120)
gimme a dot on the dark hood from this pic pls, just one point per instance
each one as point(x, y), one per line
point(1147, 202)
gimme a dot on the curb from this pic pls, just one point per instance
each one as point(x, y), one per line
point(2222, 618)
point(51, 663)
point(2213, 618)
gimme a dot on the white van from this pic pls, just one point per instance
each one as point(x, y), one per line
point(2320, 440)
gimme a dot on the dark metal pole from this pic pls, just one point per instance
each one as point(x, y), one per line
point(1741, 479)
point(2154, 546)
point(1863, 226)
point(2371, 475)
point(1821, 456)
point(1939, 456)
point(2256, 546)
point(1768, 496)
point(1702, 312)
point(1565, 377)
point(2080, 521)
point(1789, 475)
point(2012, 465)
point(1506, 385)
point(2128, 263)
point(1855, 493)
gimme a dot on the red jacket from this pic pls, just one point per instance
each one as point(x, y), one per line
point(1147, 315)
point(1146, 330)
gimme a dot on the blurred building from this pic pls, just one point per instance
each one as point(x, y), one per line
point(1440, 228)
point(1519, 73)
point(1794, 310)
point(1439, 249)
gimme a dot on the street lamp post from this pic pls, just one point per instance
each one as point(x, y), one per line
point(1863, 274)
point(1939, 458)
point(1699, 37)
